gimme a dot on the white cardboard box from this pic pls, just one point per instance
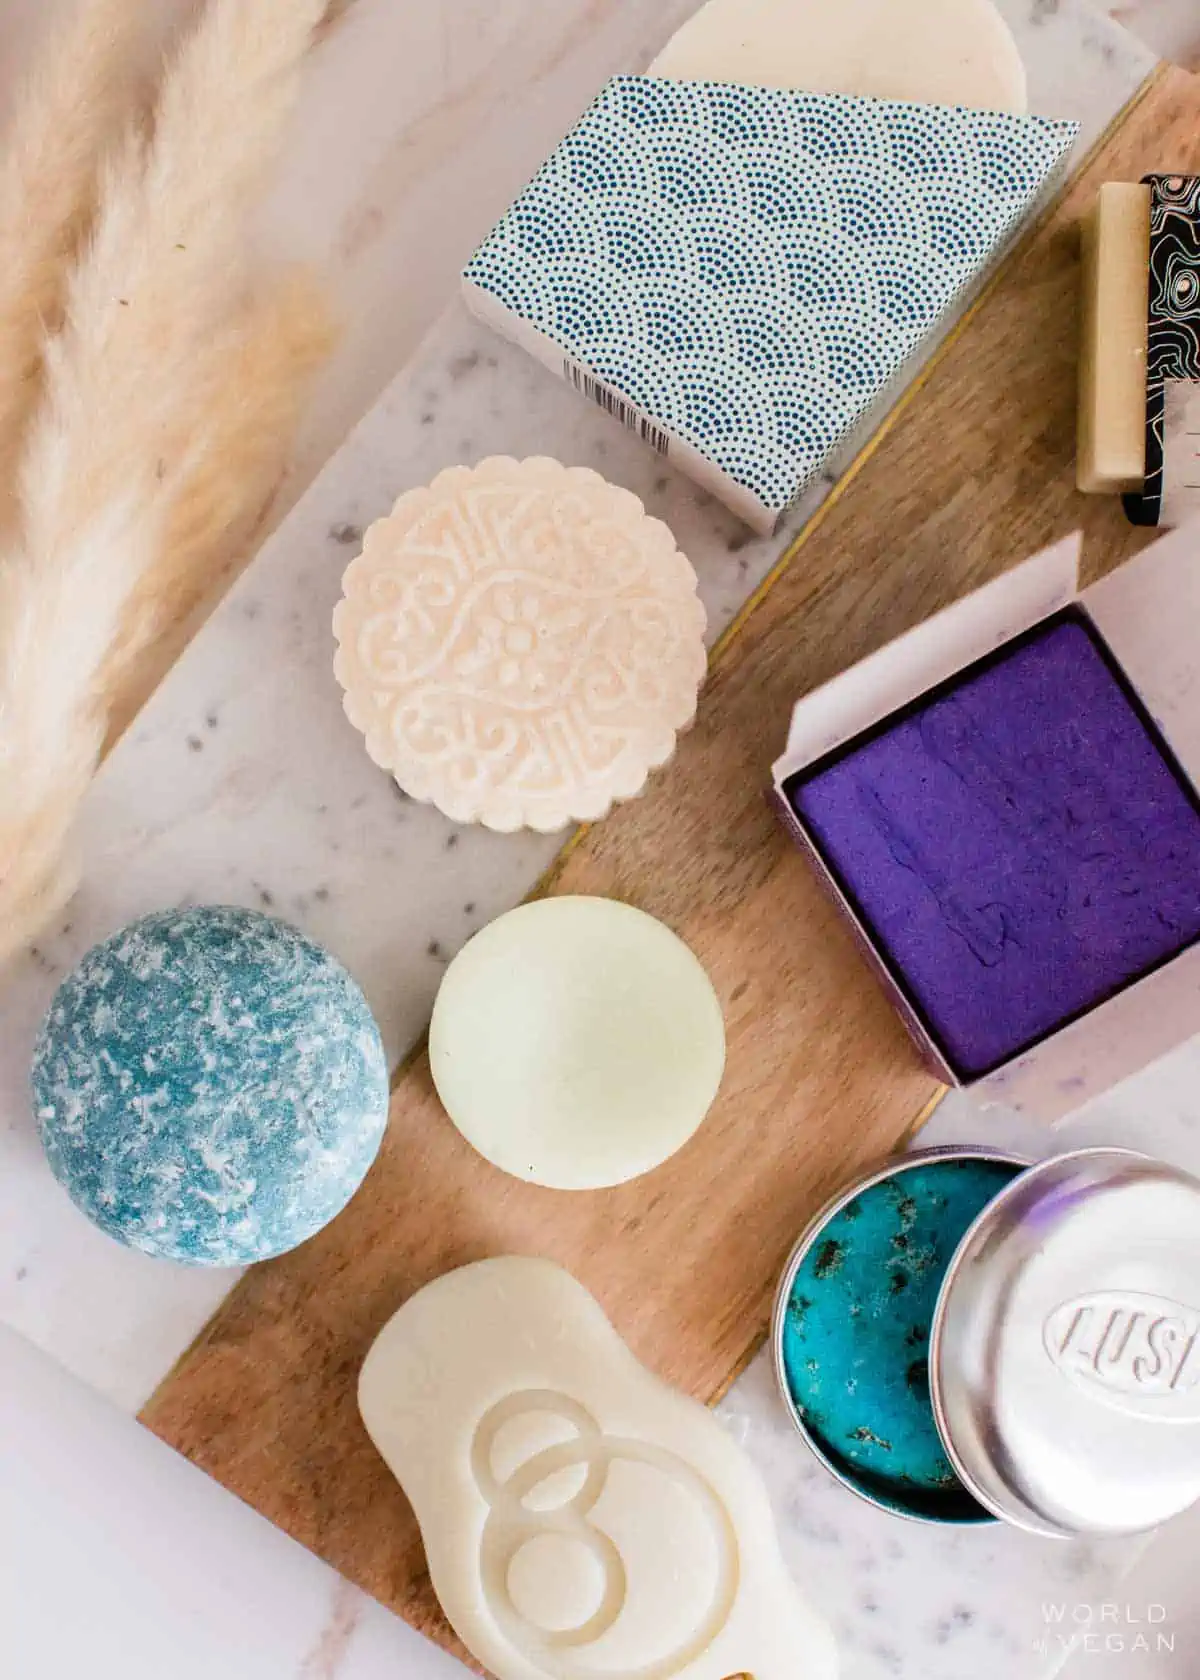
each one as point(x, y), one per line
point(1148, 611)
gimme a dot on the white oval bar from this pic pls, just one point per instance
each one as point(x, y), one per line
point(941, 52)
point(582, 1520)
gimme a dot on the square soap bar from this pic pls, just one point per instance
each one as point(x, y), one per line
point(739, 273)
point(1018, 843)
point(1115, 238)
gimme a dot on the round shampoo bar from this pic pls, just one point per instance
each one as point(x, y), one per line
point(210, 1086)
point(943, 52)
point(576, 1043)
point(520, 644)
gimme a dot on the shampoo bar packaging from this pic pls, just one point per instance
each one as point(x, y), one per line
point(741, 273)
point(1003, 804)
point(1171, 491)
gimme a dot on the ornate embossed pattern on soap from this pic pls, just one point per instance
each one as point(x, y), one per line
point(1019, 843)
point(520, 643)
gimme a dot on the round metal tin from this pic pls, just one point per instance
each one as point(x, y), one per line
point(960, 1507)
point(1065, 1353)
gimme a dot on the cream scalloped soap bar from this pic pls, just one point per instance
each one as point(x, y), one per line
point(581, 1519)
point(948, 52)
point(520, 643)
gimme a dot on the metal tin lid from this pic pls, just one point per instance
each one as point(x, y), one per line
point(1065, 1355)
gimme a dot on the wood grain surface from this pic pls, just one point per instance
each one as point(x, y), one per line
point(974, 473)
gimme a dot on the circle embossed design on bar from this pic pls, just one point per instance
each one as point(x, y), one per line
point(553, 1579)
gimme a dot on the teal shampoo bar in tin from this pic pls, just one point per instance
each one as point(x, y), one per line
point(854, 1334)
point(740, 273)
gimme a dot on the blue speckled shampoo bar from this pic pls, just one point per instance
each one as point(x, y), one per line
point(739, 273)
point(210, 1086)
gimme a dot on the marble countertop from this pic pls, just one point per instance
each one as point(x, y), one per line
point(262, 795)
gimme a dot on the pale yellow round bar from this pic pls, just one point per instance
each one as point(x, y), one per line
point(576, 1043)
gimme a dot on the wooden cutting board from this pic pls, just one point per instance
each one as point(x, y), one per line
point(973, 473)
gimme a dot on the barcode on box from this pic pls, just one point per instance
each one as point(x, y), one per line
point(591, 387)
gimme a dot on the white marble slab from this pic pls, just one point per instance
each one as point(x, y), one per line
point(1149, 1628)
point(1170, 27)
point(121, 1561)
point(242, 782)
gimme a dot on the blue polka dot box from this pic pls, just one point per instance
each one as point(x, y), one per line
point(740, 273)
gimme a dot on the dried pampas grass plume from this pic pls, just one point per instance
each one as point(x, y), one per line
point(165, 272)
point(145, 458)
point(53, 631)
point(259, 372)
point(72, 110)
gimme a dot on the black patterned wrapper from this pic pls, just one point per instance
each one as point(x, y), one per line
point(1173, 341)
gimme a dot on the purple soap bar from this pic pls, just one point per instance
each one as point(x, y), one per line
point(1019, 842)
